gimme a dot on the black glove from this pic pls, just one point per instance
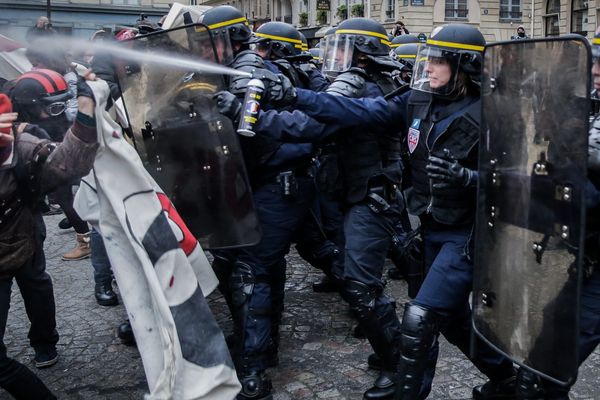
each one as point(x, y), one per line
point(280, 92)
point(83, 89)
point(228, 105)
point(448, 173)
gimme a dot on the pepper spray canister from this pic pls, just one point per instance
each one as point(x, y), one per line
point(254, 95)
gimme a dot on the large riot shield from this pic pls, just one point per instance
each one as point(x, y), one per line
point(190, 149)
point(530, 211)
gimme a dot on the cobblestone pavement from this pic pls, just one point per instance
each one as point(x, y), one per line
point(319, 358)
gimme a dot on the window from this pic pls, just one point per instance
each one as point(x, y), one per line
point(127, 2)
point(579, 11)
point(551, 19)
point(390, 13)
point(456, 9)
point(510, 10)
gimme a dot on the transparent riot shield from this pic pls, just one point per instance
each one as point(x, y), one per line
point(190, 149)
point(530, 212)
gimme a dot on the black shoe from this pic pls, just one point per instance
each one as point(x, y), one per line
point(529, 386)
point(256, 385)
point(395, 274)
point(383, 388)
point(65, 224)
point(496, 390)
point(45, 359)
point(125, 333)
point(105, 295)
point(374, 362)
point(326, 285)
point(358, 332)
point(51, 209)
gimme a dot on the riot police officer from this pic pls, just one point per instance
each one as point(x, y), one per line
point(442, 116)
point(370, 169)
point(406, 55)
point(530, 386)
point(253, 278)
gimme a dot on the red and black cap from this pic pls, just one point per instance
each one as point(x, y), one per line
point(41, 86)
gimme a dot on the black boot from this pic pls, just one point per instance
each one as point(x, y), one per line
point(326, 285)
point(498, 390)
point(105, 296)
point(383, 388)
point(419, 329)
point(374, 362)
point(256, 385)
point(528, 386)
point(26, 385)
point(125, 333)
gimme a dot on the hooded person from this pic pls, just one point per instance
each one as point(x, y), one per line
point(30, 167)
point(520, 34)
point(41, 97)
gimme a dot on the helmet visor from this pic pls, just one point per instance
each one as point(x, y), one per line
point(223, 50)
point(338, 54)
point(435, 70)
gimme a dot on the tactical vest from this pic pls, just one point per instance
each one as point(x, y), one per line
point(367, 157)
point(451, 206)
point(19, 192)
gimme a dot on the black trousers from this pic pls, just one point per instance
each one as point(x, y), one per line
point(38, 295)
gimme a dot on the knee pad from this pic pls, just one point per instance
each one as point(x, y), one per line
point(419, 328)
point(361, 298)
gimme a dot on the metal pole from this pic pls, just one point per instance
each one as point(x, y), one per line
point(532, 17)
point(48, 10)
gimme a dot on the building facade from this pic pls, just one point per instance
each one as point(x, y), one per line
point(497, 19)
point(77, 17)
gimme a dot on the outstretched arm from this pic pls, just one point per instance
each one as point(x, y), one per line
point(344, 112)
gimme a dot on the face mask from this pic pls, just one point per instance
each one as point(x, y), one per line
point(521, 34)
point(56, 127)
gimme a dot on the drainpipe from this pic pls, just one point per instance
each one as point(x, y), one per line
point(532, 16)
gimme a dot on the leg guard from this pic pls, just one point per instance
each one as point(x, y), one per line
point(251, 312)
point(419, 330)
point(378, 320)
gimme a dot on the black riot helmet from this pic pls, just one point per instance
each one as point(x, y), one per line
point(369, 36)
point(229, 30)
point(403, 39)
point(353, 38)
point(277, 40)
point(406, 54)
point(304, 42)
point(458, 47)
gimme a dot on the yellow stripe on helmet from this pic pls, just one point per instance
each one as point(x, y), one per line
point(230, 22)
point(359, 32)
point(394, 45)
point(280, 38)
point(406, 55)
point(453, 45)
point(198, 86)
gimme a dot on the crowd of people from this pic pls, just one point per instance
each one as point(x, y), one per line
point(365, 149)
